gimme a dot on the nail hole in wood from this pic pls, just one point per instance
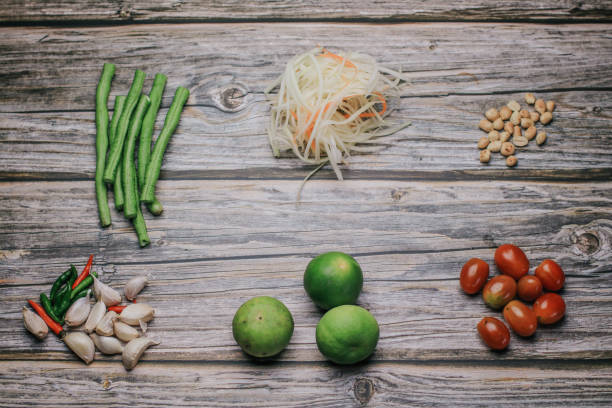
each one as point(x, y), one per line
point(364, 390)
point(587, 243)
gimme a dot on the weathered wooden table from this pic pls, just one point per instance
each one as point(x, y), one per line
point(231, 229)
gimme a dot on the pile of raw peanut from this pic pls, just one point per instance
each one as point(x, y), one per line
point(512, 121)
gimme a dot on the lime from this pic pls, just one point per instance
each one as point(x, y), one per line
point(333, 279)
point(347, 334)
point(262, 326)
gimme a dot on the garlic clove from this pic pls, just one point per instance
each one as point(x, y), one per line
point(34, 324)
point(125, 332)
point(81, 345)
point(134, 286)
point(78, 312)
point(96, 314)
point(105, 325)
point(136, 312)
point(134, 350)
point(107, 345)
point(105, 293)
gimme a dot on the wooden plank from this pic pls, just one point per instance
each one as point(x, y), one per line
point(220, 243)
point(294, 385)
point(16, 11)
point(54, 69)
point(442, 138)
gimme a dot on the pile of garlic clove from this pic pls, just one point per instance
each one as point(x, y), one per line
point(106, 330)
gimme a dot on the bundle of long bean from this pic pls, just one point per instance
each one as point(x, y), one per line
point(133, 119)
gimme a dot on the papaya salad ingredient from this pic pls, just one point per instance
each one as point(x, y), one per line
point(499, 291)
point(92, 327)
point(325, 106)
point(133, 120)
point(513, 120)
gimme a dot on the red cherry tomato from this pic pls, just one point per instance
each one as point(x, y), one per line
point(474, 275)
point(499, 291)
point(549, 308)
point(494, 333)
point(551, 275)
point(521, 318)
point(529, 288)
point(512, 261)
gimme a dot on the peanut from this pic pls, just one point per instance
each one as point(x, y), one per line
point(498, 124)
point(524, 113)
point(541, 138)
point(485, 125)
point(520, 141)
point(511, 161)
point(550, 106)
point(517, 132)
point(530, 132)
point(485, 156)
point(546, 118)
point(492, 114)
point(505, 113)
point(540, 106)
point(514, 105)
point(535, 116)
point(507, 149)
point(495, 146)
point(529, 98)
point(515, 118)
point(526, 122)
point(483, 142)
point(493, 135)
point(509, 127)
point(504, 136)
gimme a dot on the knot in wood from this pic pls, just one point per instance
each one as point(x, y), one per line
point(232, 98)
point(597, 110)
point(433, 45)
point(587, 243)
point(364, 390)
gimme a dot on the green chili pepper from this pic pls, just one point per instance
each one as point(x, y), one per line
point(63, 302)
point(46, 304)
point(85, 283)
point(78, 295)
point(73, 275)
point(59, 282)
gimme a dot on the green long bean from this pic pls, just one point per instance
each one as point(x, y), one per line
point(131, 101)
point(108, 71)
point(117, 188)
point(147, 194)
point(139, 222)
point(146, 135)
point(128, 170)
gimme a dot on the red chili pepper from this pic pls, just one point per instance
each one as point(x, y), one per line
point(83, 274)
point(53, 325)
point(116, 309)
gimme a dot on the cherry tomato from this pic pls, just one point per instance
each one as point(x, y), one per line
point(551, 275)
point(521, 318)
point(529, 288)
point(474, 275)
point(549, 308)
point(512, 261)
point(499, 291)
point(494, 333)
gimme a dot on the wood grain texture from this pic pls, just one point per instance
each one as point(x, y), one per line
point(46, 129)
point(304, 385)
point(220, 243)
point(41, 11)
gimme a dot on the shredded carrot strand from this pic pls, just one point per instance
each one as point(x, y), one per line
point(337, 57)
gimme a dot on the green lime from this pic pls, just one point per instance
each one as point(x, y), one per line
point(262, 326)
point(347, 334)
point(333, 279)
